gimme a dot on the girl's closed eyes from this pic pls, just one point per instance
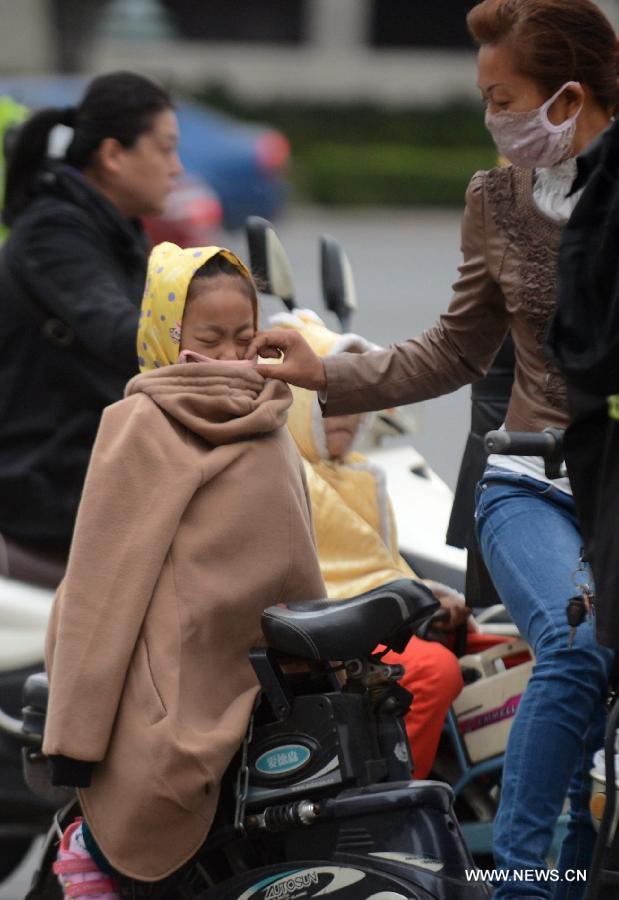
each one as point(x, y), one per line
point(220, 317)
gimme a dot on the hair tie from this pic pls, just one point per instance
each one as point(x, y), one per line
point(67, 116)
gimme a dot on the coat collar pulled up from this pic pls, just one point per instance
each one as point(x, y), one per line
point(218, 402)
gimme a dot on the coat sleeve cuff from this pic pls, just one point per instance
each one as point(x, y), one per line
point(67, 772)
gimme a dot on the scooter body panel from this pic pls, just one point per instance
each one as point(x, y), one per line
point(407, 829)
point(346, 878)
point(341, 881)
point(401, 837)
point(327, 741)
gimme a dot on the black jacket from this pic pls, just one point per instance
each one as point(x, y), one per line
point(71, 280)
point(584, 340)
point(584, 336)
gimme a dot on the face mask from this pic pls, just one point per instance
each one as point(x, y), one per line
point(529, 139)
point(188, 356)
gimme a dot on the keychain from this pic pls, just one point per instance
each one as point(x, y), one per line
point(581, 605)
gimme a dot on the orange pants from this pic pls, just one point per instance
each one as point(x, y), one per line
point(432, 675)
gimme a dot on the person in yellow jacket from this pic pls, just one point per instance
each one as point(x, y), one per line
point(357, 540)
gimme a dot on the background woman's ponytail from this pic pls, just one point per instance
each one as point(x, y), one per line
point(121, 105)
point(27, 154)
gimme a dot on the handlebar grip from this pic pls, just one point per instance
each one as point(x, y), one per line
point(521, 443)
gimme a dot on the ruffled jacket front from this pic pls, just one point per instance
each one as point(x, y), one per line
point(194, 518)
point(507, 281)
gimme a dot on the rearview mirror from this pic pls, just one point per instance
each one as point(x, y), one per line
point(268, 260)
point(338, 285)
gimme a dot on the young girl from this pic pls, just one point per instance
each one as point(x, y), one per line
point(193, 519)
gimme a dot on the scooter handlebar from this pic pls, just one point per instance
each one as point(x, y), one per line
point(523, 443)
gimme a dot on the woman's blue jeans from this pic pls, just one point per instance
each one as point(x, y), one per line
point(531, 543)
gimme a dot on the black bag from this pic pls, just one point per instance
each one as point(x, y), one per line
point(584, 337)
point(489, 400)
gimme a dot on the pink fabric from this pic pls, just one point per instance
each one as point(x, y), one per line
point(77, 871)
point(186, 356)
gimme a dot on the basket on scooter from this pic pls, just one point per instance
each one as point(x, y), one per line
point(486, 706)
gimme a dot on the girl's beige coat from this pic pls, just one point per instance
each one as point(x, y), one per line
point(194, 518)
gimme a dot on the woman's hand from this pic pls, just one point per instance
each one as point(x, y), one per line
point(300, 364)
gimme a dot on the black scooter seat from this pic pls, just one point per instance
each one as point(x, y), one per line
point(345, 629)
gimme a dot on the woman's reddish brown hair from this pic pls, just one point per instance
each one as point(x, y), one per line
point(554, 41)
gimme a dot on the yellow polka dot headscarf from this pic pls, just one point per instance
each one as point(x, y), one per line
point(170, 270)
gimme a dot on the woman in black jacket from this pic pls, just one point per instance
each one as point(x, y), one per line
point(71, 280)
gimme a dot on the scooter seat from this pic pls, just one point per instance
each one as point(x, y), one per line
point(345, 629)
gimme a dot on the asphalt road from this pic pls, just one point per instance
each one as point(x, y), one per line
point(404, 263)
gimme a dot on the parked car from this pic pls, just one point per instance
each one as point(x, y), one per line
point(192, 217)
point(245, 164)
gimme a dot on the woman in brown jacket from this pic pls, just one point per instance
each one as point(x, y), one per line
point(547, 72)
point(193, 519)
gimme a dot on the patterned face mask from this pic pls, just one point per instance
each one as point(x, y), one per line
point(529, 139)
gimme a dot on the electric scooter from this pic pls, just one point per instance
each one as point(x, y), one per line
point(319, 801)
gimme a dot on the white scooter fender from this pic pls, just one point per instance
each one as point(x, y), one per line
point(24, 613)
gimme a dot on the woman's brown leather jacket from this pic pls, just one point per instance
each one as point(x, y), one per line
point(507, 280)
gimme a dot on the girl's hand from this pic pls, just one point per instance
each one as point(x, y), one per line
point(300, 365)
